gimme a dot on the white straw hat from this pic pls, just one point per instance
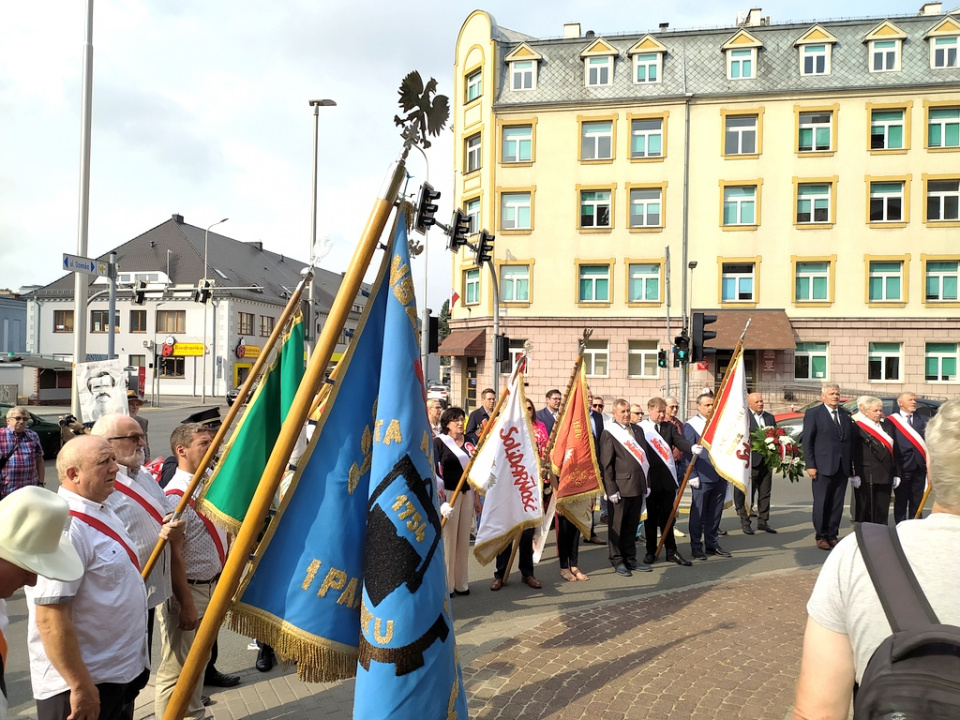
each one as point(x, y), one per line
point(31, 534)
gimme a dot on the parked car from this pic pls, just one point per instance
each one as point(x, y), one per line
point(439, 392)
point(47, 430)
point(793, 422)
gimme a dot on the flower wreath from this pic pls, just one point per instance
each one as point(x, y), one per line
point(779, 451)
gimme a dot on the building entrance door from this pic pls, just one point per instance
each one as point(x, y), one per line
point(469, 390)
point(749, 365)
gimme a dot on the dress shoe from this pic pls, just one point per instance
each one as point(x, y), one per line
point(721, 531)
point(823, 544)
point(205, 700)
point(649, 559)
point(718, 551)
point(531, 581)
point(638, 567)
point(496, 584)
point(833, 542)
point(462, 592)
point(767, 528)
point(678, 559)
point(622, 570)
point(216, 678)
point(748, 529)
point(699, 555)
point(596, 541)
point(265, 659)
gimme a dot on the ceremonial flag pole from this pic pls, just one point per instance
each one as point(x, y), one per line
point(297, 416)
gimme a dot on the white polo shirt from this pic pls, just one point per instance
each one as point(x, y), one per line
point(109, 606)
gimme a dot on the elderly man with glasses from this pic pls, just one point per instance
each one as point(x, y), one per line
point(21, 455)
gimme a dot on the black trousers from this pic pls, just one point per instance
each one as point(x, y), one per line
point(828, 492)
point(525, 553)
point(116, 700)
point(659, 507)
point(761, 481)
point(623, 519)
point(871, 503)
point(568, 543)
point(907, 497)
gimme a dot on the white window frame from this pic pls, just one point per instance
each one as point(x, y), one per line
point(471, 284)
point(645, 278)
point(885, 275)
point(515, 202)
point(592, 279)
point(807, 121)
point(644, 203)
point(948, 56)
point(943, 123)
point(596, 358)
point(940, 276)
point(740, 132)
point(808, 276)
point(472, 209)
point(813, 199)
point(645, 352)
point(472, 153)
point(736, 59)
point(474, 85)
point(814, 53)
point(939, 356)
point(599, 64)
point(738, 276)
point(523, 75)
point(811, 351)
point(648, 61)
point(601, 200)
point(739, 203)
point(877, 355)
point(885, 196)
point(884, 127)
point(880, 49)
point(513, 279)
point(646, 134)
point(941, 195)
point(513, 140)
point(592, 134)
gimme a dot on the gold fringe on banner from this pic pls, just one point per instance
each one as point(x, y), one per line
point(487, 552)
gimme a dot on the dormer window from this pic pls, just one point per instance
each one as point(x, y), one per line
point(524, 62)
point(647, 57)
point(943, 39)
point(884, 47)
point(816, 46)
point(599, 70)
point(741, 52)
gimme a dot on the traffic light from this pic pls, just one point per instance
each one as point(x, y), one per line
point(501, 352)
point(662, 358)
point(459, 229)
point(203, 291)
point(700, 336)
point(682, 343)
point(485, 247)
point(427, 207)
point(433, 334)
point(139, 291)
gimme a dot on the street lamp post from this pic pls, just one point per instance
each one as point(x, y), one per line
point(206, 239)
point(311, 330)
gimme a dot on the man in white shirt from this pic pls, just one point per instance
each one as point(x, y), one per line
point(434, 411)
point(88, 638)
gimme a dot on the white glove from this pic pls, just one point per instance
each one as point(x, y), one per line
point(615, 498)
point(647, 493)
point(855, 481)
point(446, 509)
point(695, 483)
point(896, 483)
point(696, 449)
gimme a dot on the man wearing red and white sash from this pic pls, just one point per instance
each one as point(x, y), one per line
point(624, 463)
point(874, 463)
point(88, 638)
point(203, 552)
point(910, 428)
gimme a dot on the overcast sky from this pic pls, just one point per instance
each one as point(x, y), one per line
point(200, 107)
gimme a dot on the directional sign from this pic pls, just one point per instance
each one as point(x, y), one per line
point(76, 263)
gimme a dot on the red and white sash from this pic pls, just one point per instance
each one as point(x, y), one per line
point(104, 525)
point(134, 490)
point(877, 432)
point(461, 454)
point(626, 438)
point(912, 435)
point(218, 536)
point(655, 440)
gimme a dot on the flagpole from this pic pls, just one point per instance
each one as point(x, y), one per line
point(289, 433)
point(581, 346)
point(278, 329)
point(513, 555)
point(923, 501)
point(738, 349)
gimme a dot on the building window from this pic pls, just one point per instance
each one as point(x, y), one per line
point(646, 68)
point(737, 283)
point(813, 282)
point(138, 321)
point(595, 209)
point(886, 202)
point(813, 203)
point(515, 211)
point(741, 64)
point(596, 358)
point(472, 153)
point(246, 321)
point(471, 286)
point(940, 362)
point(943, 52)
point(472, 209)
point(943, 200)
point(515, 283)
point(740, 135)
point(883, 362)
point(886, 130)
point(474, 85)
point(816, 132)
point(885, 281)
point(266, 325)
point(814, 59)
point(63, 321)
point(523, 74)
point(810, 361)
point(517, 143)
point(740, 205)
point(642, 358)
point(943, 127)
point(645, 207)
point(171, 321)
point(100, 319)
point(884, 55)
point(599, 70)
point(172, 367)
point(594, 284)
point(643, 283)
point(596, 140)
point(646, 138)
point(137, 361)
point(942, 280)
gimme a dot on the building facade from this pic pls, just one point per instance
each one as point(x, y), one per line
point(811, 172)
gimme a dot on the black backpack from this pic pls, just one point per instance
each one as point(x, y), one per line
point(915, 673)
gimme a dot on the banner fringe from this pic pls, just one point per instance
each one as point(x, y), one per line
point(486, 552)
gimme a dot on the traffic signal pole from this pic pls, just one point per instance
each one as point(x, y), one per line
point(494, 365)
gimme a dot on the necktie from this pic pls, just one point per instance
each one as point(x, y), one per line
point(910, 419)
point(836, 419)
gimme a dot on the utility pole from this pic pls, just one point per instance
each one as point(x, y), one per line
point(666, 260)
point(112, 306)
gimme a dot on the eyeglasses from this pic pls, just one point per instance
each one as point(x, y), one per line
point(673, 407)
point(597, 406)
point(18, 417)
point(135, 436)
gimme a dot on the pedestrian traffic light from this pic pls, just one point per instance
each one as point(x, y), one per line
point(485, 247)
point(427, 207)
point(433, 334)
point(662, 358)
point(682, 343)
point(700, 336)
point(501, 350)
point(203, 292)
point(139, 291)
point(459, 229)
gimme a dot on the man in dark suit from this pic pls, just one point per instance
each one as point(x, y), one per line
point(910, 429)
point(875, 458)
point(828, 435)
point(623, 453)
point(708, 489)
point(596, 426)
point(760, 475)
point(548, 415)
point(479, 417)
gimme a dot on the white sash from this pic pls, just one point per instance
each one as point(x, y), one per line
point(912, 435)
point(875, 430)
point(655, 440)
point(455, 449)
point(132, 489)
point(698, 423)
point(626, 438)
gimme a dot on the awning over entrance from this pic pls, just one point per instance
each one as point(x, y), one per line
point(463, 343)
point(769, 330)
